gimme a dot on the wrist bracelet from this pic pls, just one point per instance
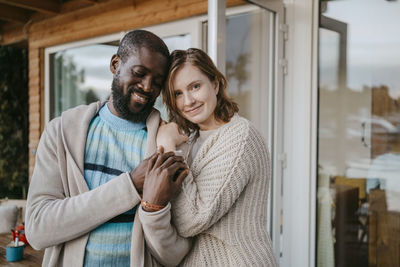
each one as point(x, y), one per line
point(150, 207)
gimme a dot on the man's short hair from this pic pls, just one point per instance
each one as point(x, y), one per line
point(136, 39)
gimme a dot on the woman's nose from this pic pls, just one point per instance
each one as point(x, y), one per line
point(189, 99)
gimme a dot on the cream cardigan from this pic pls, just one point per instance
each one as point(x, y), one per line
point(61, 211)
point(223, 203)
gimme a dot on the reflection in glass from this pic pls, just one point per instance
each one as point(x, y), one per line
point(358, 211)
point(247, 60)
point(80, 76)
point(329, 46)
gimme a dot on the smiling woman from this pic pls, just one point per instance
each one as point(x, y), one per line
point(195, 88)
point(196, 96)
point(227, 185)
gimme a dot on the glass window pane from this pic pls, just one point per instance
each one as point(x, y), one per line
point(249, 57)
point(80, 75)
point(358, 211)
point(247, 62)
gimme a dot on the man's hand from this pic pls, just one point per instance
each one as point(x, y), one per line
point(164, 177)
point(139, 173)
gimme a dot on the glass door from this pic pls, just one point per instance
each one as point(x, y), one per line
point(254, 46)
point(254, 49)
point(358, 188)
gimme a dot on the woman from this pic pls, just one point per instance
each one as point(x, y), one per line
point(223, 201)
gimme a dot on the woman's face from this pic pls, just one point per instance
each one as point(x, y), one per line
point(196, 96)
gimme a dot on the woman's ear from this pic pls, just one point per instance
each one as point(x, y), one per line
point(114, 64)
point(216, 87)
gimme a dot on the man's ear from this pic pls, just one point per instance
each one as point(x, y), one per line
point(114, 64)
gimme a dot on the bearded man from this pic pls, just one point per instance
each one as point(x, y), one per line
point(91, 164)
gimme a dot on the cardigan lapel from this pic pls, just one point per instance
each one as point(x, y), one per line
point(152, 123)
point(74, 127)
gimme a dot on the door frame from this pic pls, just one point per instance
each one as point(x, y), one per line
point(300, 134)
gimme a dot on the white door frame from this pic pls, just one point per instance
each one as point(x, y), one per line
point(300, 136)
point(276, 119)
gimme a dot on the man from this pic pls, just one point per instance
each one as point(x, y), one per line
point(89, 173)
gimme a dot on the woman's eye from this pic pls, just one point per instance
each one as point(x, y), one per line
point(196, 86)
point(177, 94)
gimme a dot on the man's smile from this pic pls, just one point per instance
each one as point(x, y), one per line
point(139, 98)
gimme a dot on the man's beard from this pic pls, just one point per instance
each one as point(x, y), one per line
point(121, 104)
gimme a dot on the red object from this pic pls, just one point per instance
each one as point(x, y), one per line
point(20, 232)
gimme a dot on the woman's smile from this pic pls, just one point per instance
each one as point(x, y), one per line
point(194, 110)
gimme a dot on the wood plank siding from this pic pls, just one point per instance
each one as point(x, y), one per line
point(88, 22)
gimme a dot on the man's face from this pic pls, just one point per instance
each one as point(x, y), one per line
point(137, 83)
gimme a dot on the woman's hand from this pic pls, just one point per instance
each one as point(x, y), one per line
point(169, 136)
point(164, 177)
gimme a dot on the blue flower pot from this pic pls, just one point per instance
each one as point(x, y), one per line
point(15, 253)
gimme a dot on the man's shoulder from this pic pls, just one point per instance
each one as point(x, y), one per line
point(74, 114)
point(81, 109)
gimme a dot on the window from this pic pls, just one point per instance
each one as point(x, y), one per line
point(80, 75)
point(358, 211)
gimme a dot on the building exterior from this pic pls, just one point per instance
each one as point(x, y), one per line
point(320, 79)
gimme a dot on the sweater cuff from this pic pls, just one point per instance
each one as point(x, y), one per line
point(137, 195)
point(158, 219)
point(155, 214)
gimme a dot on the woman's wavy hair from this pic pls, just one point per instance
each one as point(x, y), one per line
point(225, 107)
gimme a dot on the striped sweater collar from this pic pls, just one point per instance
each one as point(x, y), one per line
point(118, 123)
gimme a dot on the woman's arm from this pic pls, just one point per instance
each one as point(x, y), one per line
point(227, 163)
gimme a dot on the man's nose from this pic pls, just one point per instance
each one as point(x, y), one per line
point(146, 84)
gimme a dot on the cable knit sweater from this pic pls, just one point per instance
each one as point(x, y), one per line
point(223, 203)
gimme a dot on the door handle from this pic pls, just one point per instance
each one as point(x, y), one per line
point(363, 139)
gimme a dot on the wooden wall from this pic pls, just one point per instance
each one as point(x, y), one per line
point(93, 21)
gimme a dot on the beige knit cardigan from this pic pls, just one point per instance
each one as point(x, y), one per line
point(61, 211)
point(223, 203)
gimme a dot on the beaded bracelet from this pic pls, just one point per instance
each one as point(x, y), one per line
point(150, 207)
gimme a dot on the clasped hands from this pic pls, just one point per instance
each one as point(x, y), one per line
point(159, 177)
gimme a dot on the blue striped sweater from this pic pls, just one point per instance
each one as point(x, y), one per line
point(113, 146)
